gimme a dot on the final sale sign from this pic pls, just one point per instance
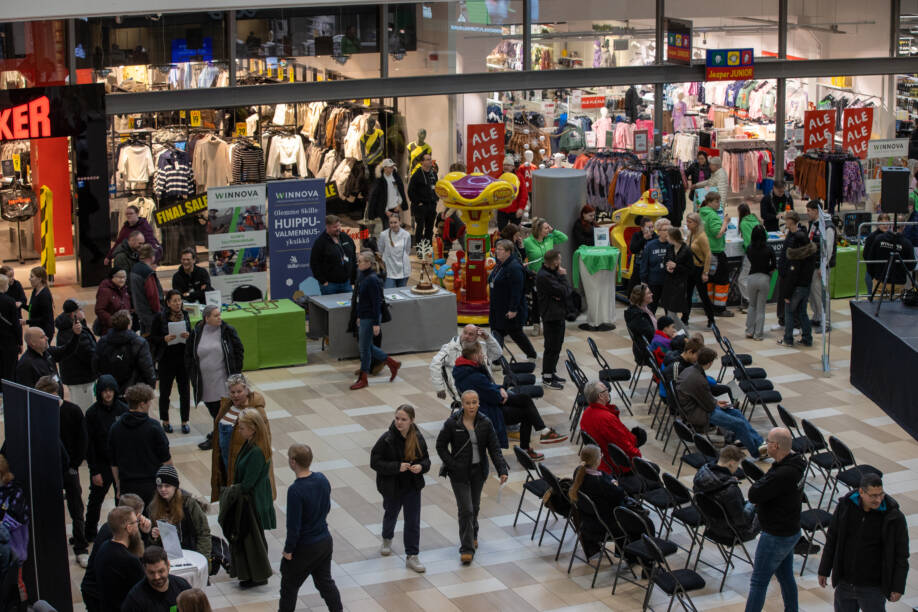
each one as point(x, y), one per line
point(485, 153)
point(818, 129)
point(857, 124)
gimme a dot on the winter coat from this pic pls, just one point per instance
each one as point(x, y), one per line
point(136, 351)
point(535, 250)
point(146, 294)
point(660, 345)
point(719, 484)
point(327, 259)
point(233, 354)
point(110, 298)
point(421, 188)
point(778, 496)
point(369, 297)
point(99, 421)
point(454, 447)
point(41, 311)
point(603, 423)
point(10, 324)
point(193, 530)
point(159, 329)
point(506, 281)
point(652, 263)
point(253, 471)
point(801, 262)
point(554, 292)
point(641, 327)
point(241, 527)
point(32, 365)
point(379, 196)
point(471, 376)
point(895, 543)
point(582, 234)
point(149, 237)
point(220, 478)
point(192, 286)
point(124, 257)
point(451, 351)
point(675, 285)
point(388, 453)
point(77, 368)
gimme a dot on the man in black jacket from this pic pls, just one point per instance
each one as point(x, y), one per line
point(158, 590)
point(423, 199)
point(333, 259)
point(123, 354)
point(39, 359)
point(551, 284)
point(137, 446)
point(866, 549)
point(773, 204)
point(190, 280)
point(116, 565)
point(99, 420)
point(778, 499)
point(717, 482)
point(10, 332)
point(76, 370)
point(800, 262)
point(73, 437)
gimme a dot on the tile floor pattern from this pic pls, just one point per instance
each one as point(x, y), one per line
point(312, 404)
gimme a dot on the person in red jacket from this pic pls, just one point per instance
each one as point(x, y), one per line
point(601, 422)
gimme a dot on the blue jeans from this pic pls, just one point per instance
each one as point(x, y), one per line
point(368, 351)
point(774, 556)
point(795, 314)
point(395, 282)
point(226, 435)
point(733, 420)
point(850, 598)
point(331, 288)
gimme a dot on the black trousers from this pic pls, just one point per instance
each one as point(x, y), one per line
point(74, 494)
point(553, 332)
point(779, 300)
point(521, 409)
point(504, 218)
point(96, 498)
point(657, 291)
point(171, 371)
point(695, 282)
point(519, 336)
point(425, 217)
point(142, 488)
point(312, 559)
point(213, 408)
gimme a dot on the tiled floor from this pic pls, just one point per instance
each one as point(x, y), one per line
point(312, 404)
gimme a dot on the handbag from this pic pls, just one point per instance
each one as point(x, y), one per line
point(18, 204)
point(385, 313)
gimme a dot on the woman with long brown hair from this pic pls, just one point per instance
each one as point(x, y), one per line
point(702, 258)
point(602, 491)
point(400, 460)
point(41, 304)
point(173, 505)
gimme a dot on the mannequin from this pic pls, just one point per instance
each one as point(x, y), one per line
point(608, 59)
point(416, 149)
point(603, 125)
point(514, 212)
point(597, 53)
point(372, 144)
point(679, 109)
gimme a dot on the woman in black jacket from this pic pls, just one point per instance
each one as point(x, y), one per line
point(582, 232)
point(679, 267)
point(464, 443)
point(170, 359)
point(698, 171)
point(508, 308)
point(640, 321)
point(554, 292)
point(400, 460)
point(369, 319)
point(603, 491)
point(41, 304)
point(388, 183)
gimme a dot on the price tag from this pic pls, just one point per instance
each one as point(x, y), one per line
point(241, 129)
point(320, 77)
point(366, 101)
point(182, 114)
point(195, 118)
point(291, 74)
point(17, 164)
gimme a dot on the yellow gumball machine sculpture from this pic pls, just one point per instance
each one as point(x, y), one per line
point(626, 226)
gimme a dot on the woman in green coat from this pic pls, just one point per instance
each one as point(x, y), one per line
point(253, 465)
point(747, 221)
point(543, 239)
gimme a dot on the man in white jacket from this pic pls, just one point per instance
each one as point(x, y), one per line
point(452, 350)
point(825, 242)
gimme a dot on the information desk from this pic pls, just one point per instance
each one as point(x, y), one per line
point(420, 323)
point(272, 332)
point(598, 268)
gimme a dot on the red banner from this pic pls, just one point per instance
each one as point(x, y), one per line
point(857, 124)
point(485, 152)
point(818, 129)
point(592, 101)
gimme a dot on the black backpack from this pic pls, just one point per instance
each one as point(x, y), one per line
point(220, 555)
point(119, 362)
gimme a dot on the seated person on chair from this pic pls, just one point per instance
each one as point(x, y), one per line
point(452, 350)
point(603, 491)
point(717, 482)
point(701, 408)
point(665, 340)
point(675, 362)
point(471, 374)
point(601, 422)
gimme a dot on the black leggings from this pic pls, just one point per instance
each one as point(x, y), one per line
point(695, 282)
point(171, 369)
point(521, 409)
point(519, 336)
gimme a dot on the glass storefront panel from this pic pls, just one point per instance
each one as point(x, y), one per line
point(33, 54)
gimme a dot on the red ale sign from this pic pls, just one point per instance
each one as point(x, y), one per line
point(818, 129)
point(857, 124)
point(28, 120)
point(592, 101)
point(485, 153)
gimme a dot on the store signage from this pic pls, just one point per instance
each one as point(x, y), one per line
point(678, 41)
point(177, 212)
point(729, 64)
point(195, 118)
point(641, 138)
point(592, 102)
point(485, 152)
point(818, 129)
point(857, 124)
point(237, 237)
point(296, 218)
point(893, 147)
point(28, 120)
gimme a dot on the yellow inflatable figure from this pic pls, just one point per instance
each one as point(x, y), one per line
point(626, 226)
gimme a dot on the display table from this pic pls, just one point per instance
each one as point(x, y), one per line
point(420, 323)
point(599, 269)
point(272, 332)
point(842, 279)
point(192, 567)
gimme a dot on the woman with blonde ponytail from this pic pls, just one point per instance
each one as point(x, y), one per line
point(400, 460)
point(602, 490)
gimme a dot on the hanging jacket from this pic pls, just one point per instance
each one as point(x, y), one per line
point(241, 528)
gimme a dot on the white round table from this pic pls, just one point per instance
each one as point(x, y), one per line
point(192, 567)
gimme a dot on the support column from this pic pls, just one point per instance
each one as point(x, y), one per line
point(231, 45)
point(780, 110)
point(527, 34)
point(658, 88)
point(383, 35)
point(895, 8)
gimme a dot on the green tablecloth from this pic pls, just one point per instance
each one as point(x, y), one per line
point(595, 259)
point(842, 279)
point(272, 336)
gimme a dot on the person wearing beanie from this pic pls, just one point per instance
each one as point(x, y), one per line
point(663, 338)
point(180, 508)
point(76, 370)
point(99, 420)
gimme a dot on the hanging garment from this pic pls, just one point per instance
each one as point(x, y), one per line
point(211, 163)
point(373, 145)
point(135, 166)
point(174, 180)
point(248, 164)
point(286, 151)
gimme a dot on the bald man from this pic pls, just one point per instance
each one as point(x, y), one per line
point(452, 350)
point(39, 359)
point(778, 500)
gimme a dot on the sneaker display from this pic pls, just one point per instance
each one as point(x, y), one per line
point(551, 436)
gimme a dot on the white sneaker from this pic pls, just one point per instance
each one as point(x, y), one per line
point(386, 549)
point(83, 560)
point(413, 563)
point(776, 327)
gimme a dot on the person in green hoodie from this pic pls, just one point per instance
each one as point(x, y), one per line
point(543, 239)
point(715, 228)
point(747, 221)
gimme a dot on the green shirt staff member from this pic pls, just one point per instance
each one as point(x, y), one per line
point(714, 229)
point(543, 239)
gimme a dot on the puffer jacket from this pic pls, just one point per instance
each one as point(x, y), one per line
point(719, 484)
point(193, 530)
point(110, 298)
point(455, 448)
point(388, 453)
point(77, 368)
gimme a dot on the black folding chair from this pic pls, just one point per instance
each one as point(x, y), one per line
point(580, 402)
point(675, 583)
point(638, 364)
point(822, 459)
point(536, 486)
point(705, 447)
point(755, 397)
point(610, 375)
point(729, 359)
point(685, 513)
point(812, 521)
point(634, 526)
point(621, 467)
point(800, 444)
point(713, 514)
point(752, 471)
point(850, 472)
point(585, 506)
point(555, 485)
point(686, 438)
point(655, 495)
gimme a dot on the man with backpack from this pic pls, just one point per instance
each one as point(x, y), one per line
point(123, 354)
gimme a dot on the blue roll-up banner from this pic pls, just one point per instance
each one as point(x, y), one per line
point(296, 217)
